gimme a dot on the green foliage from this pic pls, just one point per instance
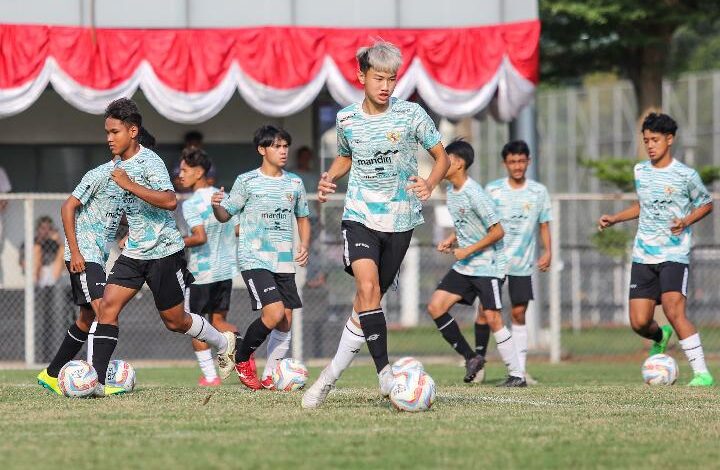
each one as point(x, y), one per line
point(613, 242)
point(615, 171)
point(709, 174)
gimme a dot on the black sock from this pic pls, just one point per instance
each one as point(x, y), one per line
point(255, 335)
point(482, 337)
point(657, 336)
point(450, 330)
point(73, 341)
point(375, 330)
point(104, 342)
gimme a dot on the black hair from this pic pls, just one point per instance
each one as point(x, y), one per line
point(196, 157)
point(125, 110)
point(515, 147)
point(659, 122)
point(146, 139)
point(268, 134)
point(462, 150)
point(193, 135)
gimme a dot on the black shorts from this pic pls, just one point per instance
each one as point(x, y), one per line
point(520, 289)
point(266, 287)
point(166, 277)
point(470, 287)
point(214, 297)
point(387, 249)
point(650, 281)
point(88, 285)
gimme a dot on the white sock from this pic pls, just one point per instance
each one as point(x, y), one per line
point(207, 366)
point(277, 347)
point(508, 353)
point(202, 330)
point(351, 341)
point(693, 350)
point(520, 337)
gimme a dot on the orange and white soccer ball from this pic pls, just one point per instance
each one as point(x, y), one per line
point(289, 374)
point(414, 390)
point(660, 369)
point(77, 379)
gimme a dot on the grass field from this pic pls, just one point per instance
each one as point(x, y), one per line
point(583, 415)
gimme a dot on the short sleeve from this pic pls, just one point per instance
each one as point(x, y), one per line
point(237, 199)
point(191, 214)
point(545, 208)
point(301, 204)
point(426, 134)
point(343, 146)
point(157, 176)
point(88, 186)
point(484, 208)
point(699, 195)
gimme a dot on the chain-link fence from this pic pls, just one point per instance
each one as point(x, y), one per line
point(580, 309)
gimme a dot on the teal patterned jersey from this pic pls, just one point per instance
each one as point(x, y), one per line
point(96, 221)
point(153, 232)
point(265, 207)
point(382, 148)
point(520, 211)
point(665, 194)
point(473, 213)
point(214, 260)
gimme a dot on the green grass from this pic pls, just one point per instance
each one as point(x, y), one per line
point(583, 415)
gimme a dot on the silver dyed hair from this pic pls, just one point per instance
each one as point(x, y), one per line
point(383, 56)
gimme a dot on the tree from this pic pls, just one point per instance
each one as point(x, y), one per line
point(630, 37)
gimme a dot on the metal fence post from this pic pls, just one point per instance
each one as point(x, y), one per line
point(29, 283)
point(555, 297)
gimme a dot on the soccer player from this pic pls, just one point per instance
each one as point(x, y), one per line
point(523, 206)
point(90, 219)
point(153, 252)
point(377, 141)
point(477, 245)
point(671, 197)
point(265, 202)
point(211, 256)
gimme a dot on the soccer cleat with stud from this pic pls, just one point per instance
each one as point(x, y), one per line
point(247, 376)
point(268, 383)
point(661, 346)
point(479, 377)
point(204, 382)
point(702, 379)
point(50, 383)
point(472, 367)
point(387, 380)
point(107, 390)
point(226, 360)
point(318, 391)
point(511, 381)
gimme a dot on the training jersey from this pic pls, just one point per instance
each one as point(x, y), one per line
point(214, 260)
point(153, 232)
point(265, 207)
point(520, 211)
point(382, 148)
point(473, 213)
point(665, 194)
point(97, 220)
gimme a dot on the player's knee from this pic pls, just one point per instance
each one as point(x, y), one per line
point(368, 290)
point(639, 326)
point(494, 319)
point(434, 309)
point(175, 324)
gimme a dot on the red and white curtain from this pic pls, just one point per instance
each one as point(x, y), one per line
point(188, 75)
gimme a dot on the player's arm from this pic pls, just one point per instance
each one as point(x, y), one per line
point(697, 214)
point(67, 214)
point(631, 213)
point(164, 199)
point(339, 168)
point(546, 258)
point(303, 254)
point(197, 237)
point(423, 188)
point(495, 234)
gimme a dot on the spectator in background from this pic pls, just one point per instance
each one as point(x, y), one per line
point(5, 187)
point(193, 140)
point(304, 168)
point(47, 253)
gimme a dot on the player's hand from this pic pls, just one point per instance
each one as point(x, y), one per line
point(325, 187)
point(420, 187)
point(544, 261)
point(461, 253)
point(445, 245)
point(218, 197)
point(678, 226)
point(605, 221)
point(121, 177)
point(123, 242)
point(77, 263)
point(302, 256)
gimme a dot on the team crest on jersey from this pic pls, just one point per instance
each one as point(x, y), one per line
point(290, 197)
point(527, 206)
point(669, 190)
point(393, 136)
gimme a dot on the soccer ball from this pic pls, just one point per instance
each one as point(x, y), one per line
point(414, 390)
point(405, 364)
point(660, 369)
point(77, 379)
point(289, 375)
point(120, 374)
